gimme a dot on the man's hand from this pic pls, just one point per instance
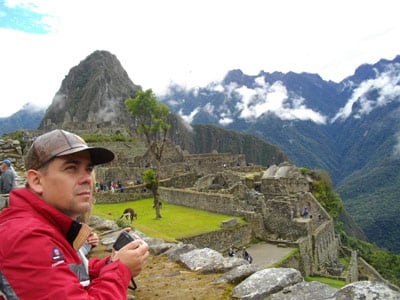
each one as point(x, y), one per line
point(133, 255)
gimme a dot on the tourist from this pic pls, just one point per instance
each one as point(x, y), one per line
point(7, 177)
point(40, 236)
point(304, 213)
point(246, 256)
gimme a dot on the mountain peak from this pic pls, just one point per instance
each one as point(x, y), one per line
point(92, 93)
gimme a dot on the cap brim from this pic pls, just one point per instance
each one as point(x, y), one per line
point(98, 155)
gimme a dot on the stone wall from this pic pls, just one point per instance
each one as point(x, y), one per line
point(371, 274)
point(213, 163)
point(130, 194)
point(11, 149)
point(325, 247)
point(213, 202)
point(279, 223)
point(221, 240)
point(227, 204)
point(130, 164)
point(125, 175)
point(305, 255)
point(316, 212)
point(272, 187)
point(185, 180)
point(352, 274)
point(275, 184)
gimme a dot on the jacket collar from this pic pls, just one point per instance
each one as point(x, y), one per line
point(74, 232)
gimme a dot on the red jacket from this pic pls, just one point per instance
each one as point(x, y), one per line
point(37, 258)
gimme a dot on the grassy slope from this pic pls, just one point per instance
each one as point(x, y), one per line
point(176, 221)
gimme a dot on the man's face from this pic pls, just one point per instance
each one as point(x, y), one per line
point(66, 183)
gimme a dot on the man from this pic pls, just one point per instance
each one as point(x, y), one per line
point(7, 177)
point(40, 237)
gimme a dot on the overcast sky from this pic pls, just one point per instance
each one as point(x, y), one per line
point(188, 41)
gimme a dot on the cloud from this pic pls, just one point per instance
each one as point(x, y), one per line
point(59, 101)
point(372, 93)
point(32, 107)
point(189, 118)
point(274, 99)
point(209, 108)
point(225, 119)
point(107, 111)
point(25, 16)
point(253, 103)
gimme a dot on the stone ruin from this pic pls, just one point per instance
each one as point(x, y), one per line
point(271, 201)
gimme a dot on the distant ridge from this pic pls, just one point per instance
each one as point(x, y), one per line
point(29, 118)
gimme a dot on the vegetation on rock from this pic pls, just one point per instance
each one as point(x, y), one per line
point(385, 262)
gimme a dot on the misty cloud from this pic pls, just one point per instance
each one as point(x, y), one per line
point(185, 124)
point(189, 118)
point(274, 99)
point(107, 112)
point(209, 108)
point(225, 120)
point(252, 103)
point(32, 107)
point(386, 86)
point(172, 103)
point(59, 101)
point(216, 87)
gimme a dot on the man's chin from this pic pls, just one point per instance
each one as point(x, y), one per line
point(83, 208)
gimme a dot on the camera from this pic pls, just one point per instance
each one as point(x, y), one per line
point(123, 239)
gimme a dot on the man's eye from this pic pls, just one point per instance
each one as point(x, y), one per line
point(71, 167)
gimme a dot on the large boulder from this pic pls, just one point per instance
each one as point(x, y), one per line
point(361, 290)
point(305, 290)
point(266, 282)
point(238, 274)
point(207, 260)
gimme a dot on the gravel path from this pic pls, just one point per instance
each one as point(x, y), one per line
point(264, 255)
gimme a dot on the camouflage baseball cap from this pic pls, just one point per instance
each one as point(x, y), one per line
point(59, 143)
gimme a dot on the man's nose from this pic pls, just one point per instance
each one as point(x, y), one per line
point(86, 177)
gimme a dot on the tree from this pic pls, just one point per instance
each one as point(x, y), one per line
point(149, 179)
point(151, 121)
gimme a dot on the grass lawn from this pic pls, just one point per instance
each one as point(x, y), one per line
point(176, 222)
point(335, 283)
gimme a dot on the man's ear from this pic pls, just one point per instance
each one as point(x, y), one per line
point(34, 179)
